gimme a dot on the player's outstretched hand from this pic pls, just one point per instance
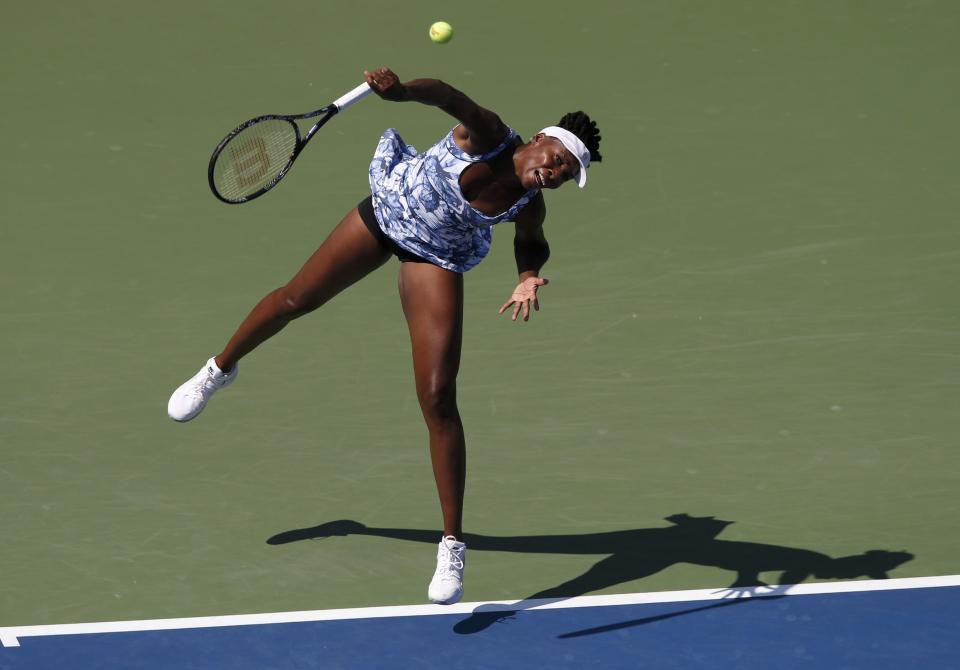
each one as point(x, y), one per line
point(523, 295)
point(386, 84)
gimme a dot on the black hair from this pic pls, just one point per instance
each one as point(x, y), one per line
point(580, 125)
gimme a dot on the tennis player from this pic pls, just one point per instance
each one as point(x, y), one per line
point(434, 211)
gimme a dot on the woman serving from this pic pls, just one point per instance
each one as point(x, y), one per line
point(434, 211)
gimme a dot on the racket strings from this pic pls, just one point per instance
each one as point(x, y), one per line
point(253, 159)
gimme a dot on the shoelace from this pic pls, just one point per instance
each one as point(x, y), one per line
point(453, 558)
point(197, 390)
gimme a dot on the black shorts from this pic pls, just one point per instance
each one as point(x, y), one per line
point(369, 218)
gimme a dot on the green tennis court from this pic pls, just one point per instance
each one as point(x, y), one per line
point(752, 313)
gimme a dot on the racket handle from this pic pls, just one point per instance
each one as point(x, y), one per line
point(356, 95)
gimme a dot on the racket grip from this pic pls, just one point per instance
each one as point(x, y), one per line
point(356, 95)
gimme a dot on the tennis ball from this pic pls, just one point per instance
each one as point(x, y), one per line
point(441, 32)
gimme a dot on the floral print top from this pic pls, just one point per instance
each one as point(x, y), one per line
point(419, 205)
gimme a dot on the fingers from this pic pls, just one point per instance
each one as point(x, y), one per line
point(380, 79)
point(384, 78)
point(519, 305)
point(523, 297)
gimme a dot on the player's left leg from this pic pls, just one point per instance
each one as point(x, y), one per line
point(350, 252)
point(432, 301)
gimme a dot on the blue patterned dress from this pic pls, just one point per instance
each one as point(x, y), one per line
point(419, 205)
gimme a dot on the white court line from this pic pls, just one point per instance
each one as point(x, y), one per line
point(10, 636)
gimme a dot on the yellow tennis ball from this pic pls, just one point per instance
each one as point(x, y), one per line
point(441, 32)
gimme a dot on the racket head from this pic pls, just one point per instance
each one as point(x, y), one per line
point(253, 158)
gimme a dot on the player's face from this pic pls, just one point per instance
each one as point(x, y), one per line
point(548, 164)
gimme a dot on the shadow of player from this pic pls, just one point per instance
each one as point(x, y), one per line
point(637, 553)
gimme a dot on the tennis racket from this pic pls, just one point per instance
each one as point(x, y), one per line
point(258, 153)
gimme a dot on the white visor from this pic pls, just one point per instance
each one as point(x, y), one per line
point(573, 144)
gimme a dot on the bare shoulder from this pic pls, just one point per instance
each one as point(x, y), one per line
point(479, 142)
point(480, 129)
point(462, 136)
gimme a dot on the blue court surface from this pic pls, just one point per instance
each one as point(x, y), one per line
point(895, 623)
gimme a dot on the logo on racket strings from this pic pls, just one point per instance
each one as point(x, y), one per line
point(251, 161)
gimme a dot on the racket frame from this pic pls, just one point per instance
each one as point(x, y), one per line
point(329, 111)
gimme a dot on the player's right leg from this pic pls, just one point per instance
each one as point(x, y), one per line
point(348, 254)
point(432, 300)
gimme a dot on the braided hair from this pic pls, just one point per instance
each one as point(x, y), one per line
point(580, 125)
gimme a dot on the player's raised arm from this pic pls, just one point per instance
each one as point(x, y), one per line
point(484, 127)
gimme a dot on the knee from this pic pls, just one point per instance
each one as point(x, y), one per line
point(438, 401)
point(291, 304)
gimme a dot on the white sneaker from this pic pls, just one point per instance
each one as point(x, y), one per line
point(192, 396)
point(446, 587)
